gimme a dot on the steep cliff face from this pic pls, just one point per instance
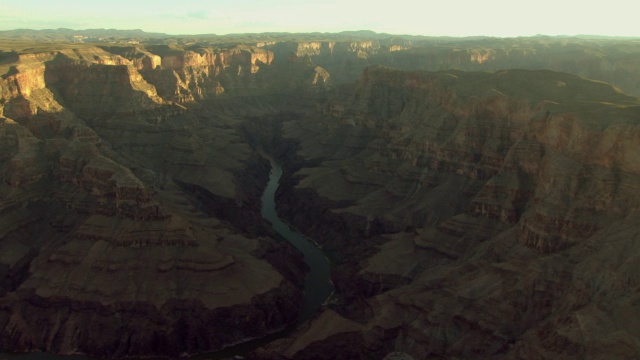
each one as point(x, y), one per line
point(490, 193)
point(335, 49)
point(173, 74)
point(123, 89)
point(187, 76)
point(343, 60)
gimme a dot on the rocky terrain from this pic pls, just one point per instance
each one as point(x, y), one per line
point(476, 215)
point(478, 196)
point(130, 223)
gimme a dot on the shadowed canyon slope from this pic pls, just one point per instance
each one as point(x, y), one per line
point(469, 214)
point(477, 215)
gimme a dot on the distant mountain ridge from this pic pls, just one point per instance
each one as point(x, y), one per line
point(66, 34)
point(62, 33)
point(139, 33)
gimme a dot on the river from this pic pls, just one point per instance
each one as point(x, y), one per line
point(317, 286)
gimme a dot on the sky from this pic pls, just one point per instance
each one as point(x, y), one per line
point(503, 18)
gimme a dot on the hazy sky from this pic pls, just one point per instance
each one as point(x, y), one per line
point(443, 17)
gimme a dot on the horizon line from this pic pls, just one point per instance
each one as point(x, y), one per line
point(372, 32)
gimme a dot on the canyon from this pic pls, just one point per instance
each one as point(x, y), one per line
point(478, 198)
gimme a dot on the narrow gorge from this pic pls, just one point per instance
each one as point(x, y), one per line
point(477, 199)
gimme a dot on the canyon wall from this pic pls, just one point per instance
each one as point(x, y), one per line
point(469, 214)
point(615, 61)
point(473, 215)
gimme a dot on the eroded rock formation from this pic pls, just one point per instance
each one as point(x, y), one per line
point(470, 214)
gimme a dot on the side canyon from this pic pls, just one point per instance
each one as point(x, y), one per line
point(478, 198)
